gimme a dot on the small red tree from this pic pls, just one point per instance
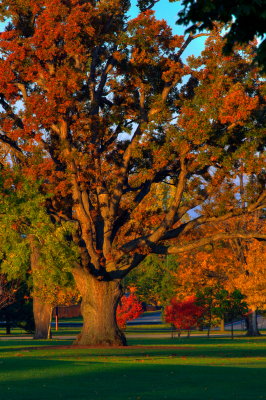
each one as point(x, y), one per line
point(129, 308)
point(183, 314)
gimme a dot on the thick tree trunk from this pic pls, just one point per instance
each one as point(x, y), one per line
point(42, 318)
point(252, 324)
point(98, 308)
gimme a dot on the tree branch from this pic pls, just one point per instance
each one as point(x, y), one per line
point(10, 112)
point(171, 214)
point(169, 85)
point(118, 191)
point(12, 144)
point(219, 236)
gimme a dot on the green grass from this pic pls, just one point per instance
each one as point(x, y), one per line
point(185, 369)
point(131, 330)
point(14, 332)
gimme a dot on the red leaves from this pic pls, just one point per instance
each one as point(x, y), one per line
point(183, 314)
point(129, 309)
point(236, 106)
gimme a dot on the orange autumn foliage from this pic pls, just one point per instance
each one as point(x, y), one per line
point(234, 265)
point(103, 110)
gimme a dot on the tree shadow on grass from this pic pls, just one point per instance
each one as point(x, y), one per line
point(35, 378)
point(15, 345)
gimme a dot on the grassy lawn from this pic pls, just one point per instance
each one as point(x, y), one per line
point(193, 369)
point(73, 330)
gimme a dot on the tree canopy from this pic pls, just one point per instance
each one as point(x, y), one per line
point(103, 110)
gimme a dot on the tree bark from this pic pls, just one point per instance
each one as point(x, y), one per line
point(252, 324)
point(8, 326)
point(232, 330)
point(42, 318)
point(42, 311)
point(222, 325)
point(98, 307)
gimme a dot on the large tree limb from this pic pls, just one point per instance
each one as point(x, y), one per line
point(81, 214)
point(187, 226)
point(12, 144)
point(205, 241)
point(259, 203)
point(190, 246)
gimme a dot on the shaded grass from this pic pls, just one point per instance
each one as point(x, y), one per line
point(194, 369)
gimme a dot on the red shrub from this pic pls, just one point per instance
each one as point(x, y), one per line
point(183, 314)
point(128, 309)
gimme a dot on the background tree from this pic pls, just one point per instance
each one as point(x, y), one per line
point(218, 304)
point(247, 20)
point(247, 270)
point(102, 110)
point(153, 279)
point(235, 306)
point(184, 314)
point(229, 266)
point(32, 248)
point(205, 273)
point(19, 313)
point(210, 299)
point(250, 278)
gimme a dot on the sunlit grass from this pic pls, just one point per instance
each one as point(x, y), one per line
point(193, 369)
point(162, 329)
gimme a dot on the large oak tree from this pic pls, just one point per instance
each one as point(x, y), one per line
point(103, 110)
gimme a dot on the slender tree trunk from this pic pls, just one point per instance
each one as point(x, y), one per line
point(208, 332)
point(209, 325)
point(56, 318)
point(42, 318)
point(98, 308)
point(232, 330)
point(252, 324)
point(42, 311)
point(8, 326)
point(222, 325)
point(173, 331)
